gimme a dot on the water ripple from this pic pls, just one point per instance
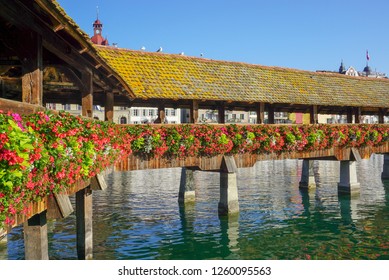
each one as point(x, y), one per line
point(138, 217)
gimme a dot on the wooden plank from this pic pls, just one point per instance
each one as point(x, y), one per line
point(98, 183)
point(59, 206)
point(355, 154)
point(21, 108)
point(228, 165)
point(244, 160)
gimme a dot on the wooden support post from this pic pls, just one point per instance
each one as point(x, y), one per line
point(228, 203)
point(385, 171)
point(222, 114)
point(35, 238)
point(270, 114)
point(313, 118)
point(350, 115)
point(3, 242)
point(2, 89)
point(194, 112)
point(84, 224)
point(348, 178)
point(161, 114)
point(108, 107)
point(87, 95)
point(357, 113)
point(187, 191)
point(32, 69)
point(3, 236)
point(381, 116)
point(261, 113)
point(307, 176)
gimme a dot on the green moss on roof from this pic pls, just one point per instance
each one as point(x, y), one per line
point(156, 75)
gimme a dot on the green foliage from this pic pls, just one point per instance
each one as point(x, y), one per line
point(47, 153)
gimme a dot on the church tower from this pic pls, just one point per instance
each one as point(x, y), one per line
point(97, 33)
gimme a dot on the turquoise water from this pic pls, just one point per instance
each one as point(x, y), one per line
point(138, 217)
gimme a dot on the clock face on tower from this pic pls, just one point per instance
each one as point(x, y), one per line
point(97, 31)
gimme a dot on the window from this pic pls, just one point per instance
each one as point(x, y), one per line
point(123, 120)
point(151, 112)
point(242, 116)
point(135, 112)
point(166, 112)
point(173, 112)
point(51, 106)
point(144, 112)
point(66, 107)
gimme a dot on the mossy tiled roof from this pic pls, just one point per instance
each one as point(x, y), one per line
point(166, 76)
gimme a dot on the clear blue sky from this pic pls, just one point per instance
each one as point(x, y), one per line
point(302, 34)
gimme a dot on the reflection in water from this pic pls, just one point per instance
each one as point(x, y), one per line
point(138, 217)
point(229, 227)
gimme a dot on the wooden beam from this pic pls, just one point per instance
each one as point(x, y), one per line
point(58, 27)
point(59, 206)
point(98, 183)
point(194, 111)
point(228, 165)
point(87, 95)
point(18, 107)
point(84, 50)
point(109, 103)
point(260, 113)
point(32, 79)
point(313, 114)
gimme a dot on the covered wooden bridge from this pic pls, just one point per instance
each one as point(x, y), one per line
point(37, 36)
